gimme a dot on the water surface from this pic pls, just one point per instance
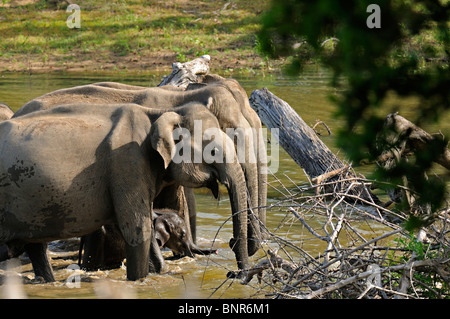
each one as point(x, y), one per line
point(204, 277)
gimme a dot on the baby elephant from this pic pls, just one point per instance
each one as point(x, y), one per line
point(170, 232)
point(105, 248)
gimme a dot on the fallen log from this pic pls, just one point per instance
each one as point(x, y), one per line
point(301, 142)
point(298, 139)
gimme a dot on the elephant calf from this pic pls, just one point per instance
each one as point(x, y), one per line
point(105, 248)
point(67, 171)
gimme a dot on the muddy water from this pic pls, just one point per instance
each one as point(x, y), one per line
point(203, 277)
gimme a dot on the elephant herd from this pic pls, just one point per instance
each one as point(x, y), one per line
point(116, 165)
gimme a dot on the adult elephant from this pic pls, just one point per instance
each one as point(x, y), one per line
point(241, 98)
point(67, 171)
point(229, 104)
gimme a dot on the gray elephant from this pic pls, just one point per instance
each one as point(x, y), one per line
point(5, 112)
point(67, 171)
point(105, 248)
point(229, 104)
point(242, 108)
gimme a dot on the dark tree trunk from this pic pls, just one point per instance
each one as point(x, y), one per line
point(410, 138)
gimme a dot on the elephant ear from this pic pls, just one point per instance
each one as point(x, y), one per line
point(161, 135)
point(162, 231)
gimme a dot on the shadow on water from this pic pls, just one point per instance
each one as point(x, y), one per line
point(204, 276)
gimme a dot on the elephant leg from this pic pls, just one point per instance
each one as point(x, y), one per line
point(192, 207)
point(4, 253)
point(93, 256)
point(39, 259)
point(137, 248)
point(262, 183)
point(114, 247)
point(254, 234)
point(132, 196)
point(138, 260)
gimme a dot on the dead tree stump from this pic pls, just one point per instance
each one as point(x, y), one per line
point(400, 139)
point(304, 146)
point(409, 139)
point(185, 73)
point(298, 139)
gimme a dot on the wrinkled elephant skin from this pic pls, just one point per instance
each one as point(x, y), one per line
point(67, 171)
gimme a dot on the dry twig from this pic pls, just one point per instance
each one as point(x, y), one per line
point(364, 251)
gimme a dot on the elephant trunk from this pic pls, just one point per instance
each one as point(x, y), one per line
point(262, 182)
point(233, 178)
point(254, 231)
point(201, 251)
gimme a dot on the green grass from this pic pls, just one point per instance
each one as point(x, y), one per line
point(117, 30)
point(146, 35)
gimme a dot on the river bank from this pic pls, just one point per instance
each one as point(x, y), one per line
point(39, 36)
point(142, 36)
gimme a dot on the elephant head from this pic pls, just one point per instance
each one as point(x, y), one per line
point(196, 153)
point(171, 232)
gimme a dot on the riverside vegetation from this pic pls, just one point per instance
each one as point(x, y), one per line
point(351, 264)
point(128, 35)
point(147, 36)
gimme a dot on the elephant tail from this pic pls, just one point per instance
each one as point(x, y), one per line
point(80, 251)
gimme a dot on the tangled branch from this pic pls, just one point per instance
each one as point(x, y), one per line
point(365, 251)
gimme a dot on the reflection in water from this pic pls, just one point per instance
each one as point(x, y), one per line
point(204, 276)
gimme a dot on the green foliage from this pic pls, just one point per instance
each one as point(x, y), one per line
point(411, 243)
point(373, 63)
point(432, 285)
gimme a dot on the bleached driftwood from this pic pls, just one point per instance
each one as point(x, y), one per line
point(185, 73)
